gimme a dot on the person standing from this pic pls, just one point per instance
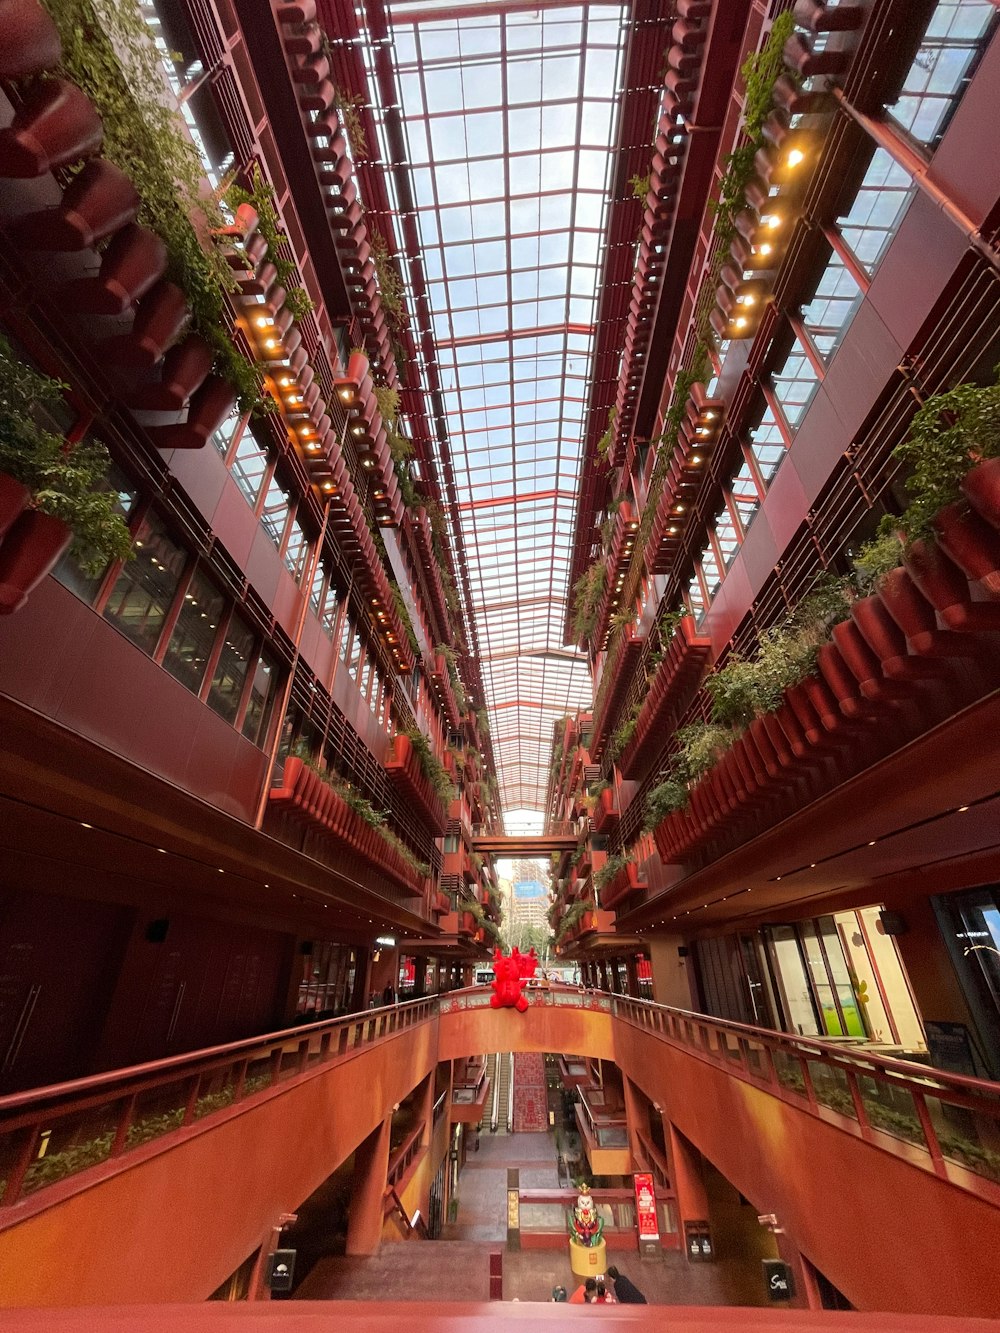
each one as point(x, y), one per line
point(625, 1289)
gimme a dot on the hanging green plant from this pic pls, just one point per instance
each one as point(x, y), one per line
point(951, 432)
point(260, 196)
point(108, 53)
point(607, 439)
point(434, 769)
point(612, 867)
point(587, 593)
point(666, 797)
point(70, 482)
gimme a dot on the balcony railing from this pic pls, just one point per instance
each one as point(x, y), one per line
point(943, 1123)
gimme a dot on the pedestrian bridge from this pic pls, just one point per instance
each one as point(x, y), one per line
point(155, 1183)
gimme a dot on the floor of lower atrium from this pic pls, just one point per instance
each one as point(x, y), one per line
point(457, 1266)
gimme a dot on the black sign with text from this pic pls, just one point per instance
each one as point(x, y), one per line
point(778, 1280)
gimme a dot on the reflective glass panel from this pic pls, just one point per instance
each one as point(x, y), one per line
point(194, 632)
point(145, 588)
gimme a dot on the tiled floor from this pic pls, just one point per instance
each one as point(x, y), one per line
point(457, 1266)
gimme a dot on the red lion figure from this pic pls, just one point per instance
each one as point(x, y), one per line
point(510, 972)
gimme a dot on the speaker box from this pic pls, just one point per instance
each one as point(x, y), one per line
point(156, 931)
point(306, 948)
point(682, 951)
point(893, 923)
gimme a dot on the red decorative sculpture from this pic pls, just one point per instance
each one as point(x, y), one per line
point(510, 972)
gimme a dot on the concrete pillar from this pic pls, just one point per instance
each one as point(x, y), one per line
point(685, 1172)
point(635, 1120)
point(371, 1167)
point(672, 980)
point(419, 977)
point(362, 974)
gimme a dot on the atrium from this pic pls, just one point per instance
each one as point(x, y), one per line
point(482, 475)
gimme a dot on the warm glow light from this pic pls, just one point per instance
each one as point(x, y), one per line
point(771, 221)
point(263, 322)
point(746, 300)
point(740, 323)
point(764, 249)
point(271, 343)
point(696, 458)
point(795, 157)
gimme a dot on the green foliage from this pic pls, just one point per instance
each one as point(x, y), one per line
point(375, 818)
point(434, 769)
point(876, 558)
point(744, 689)
point(260, 196)
point(623, 733)
point(451, 661)
point(574, 915)
point(613, 866)
point(662, 800)
point(107, 51)
point(483, 721)
point(701, 746)
point(404, 616)
point(70, 482)
point(390, 284)
point(950, 433)
point(608, 438)
point(639, 185)
point(587, 593)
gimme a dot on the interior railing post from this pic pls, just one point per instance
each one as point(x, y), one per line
point(125, 1117)
point(930, 1134)
point(275, 1065)
point(25, 1156)
point(191, 1101)
point(240, 1082)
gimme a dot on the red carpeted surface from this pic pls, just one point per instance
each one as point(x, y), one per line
point(531, 1109)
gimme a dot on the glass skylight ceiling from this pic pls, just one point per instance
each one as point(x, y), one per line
point(508, 118)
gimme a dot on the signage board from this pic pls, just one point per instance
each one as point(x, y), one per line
point(281, 1270)
point(645, 1207)
point(778, 1280)
point(529, 890)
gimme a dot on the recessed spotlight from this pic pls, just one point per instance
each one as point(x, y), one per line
point(83, 825)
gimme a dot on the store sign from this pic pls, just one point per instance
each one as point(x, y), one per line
point(645, 1207)
point(698, 1242)
point(281, 1270)
point(778, 1280)
point(386, 941)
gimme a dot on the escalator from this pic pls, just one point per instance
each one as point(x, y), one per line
point(502, 1106)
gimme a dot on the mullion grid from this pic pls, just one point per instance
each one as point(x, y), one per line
point(530, 625)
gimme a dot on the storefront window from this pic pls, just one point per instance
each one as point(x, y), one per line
point(231, 672)
point(68, 571)
point(260, 703)
point(194, 633)
point(145, 588)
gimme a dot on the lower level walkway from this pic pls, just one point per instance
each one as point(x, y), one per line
point(456, 1268)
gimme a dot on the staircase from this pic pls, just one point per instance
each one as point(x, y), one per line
point(503, 1089)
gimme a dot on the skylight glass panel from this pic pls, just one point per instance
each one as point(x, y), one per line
point(510, 183)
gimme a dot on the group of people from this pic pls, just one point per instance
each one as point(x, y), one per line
point(597, 1291)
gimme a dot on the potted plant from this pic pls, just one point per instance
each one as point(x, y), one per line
point(51, 493)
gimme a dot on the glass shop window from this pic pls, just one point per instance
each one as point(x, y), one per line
point(194, 632)
point(146, 587)
point(231, 671)
point(260, 701)
point(69, 571)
